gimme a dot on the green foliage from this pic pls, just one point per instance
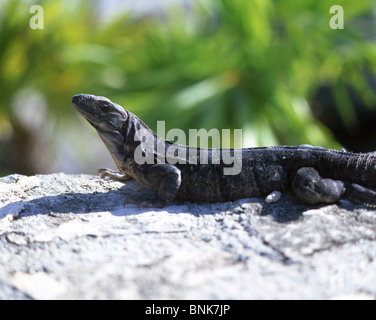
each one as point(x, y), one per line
point(219, 63)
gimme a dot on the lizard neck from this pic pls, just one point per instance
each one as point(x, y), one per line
point(136, 132)
point(139, 139)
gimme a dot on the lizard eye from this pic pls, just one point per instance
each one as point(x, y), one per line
point(105, 107)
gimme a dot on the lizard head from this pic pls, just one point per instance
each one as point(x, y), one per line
point(108, 118)
point(100, 112)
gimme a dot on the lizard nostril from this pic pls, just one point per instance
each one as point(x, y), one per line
point(82, 96)
point(76, 98)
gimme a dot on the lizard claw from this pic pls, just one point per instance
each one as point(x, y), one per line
point(114, 175)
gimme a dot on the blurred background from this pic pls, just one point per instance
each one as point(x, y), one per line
point(274, 69)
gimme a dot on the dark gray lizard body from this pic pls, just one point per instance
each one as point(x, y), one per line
point(316, 175)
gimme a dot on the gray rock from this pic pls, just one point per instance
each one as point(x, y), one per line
point(70, 237)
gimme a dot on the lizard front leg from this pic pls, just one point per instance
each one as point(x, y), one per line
point(311, 188)
point(168, 179)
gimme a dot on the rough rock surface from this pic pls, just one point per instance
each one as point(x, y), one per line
point(69, 236)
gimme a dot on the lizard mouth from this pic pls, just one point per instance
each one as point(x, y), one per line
point(80, 104)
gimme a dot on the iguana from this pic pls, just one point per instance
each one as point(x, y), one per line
point(316, 175)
